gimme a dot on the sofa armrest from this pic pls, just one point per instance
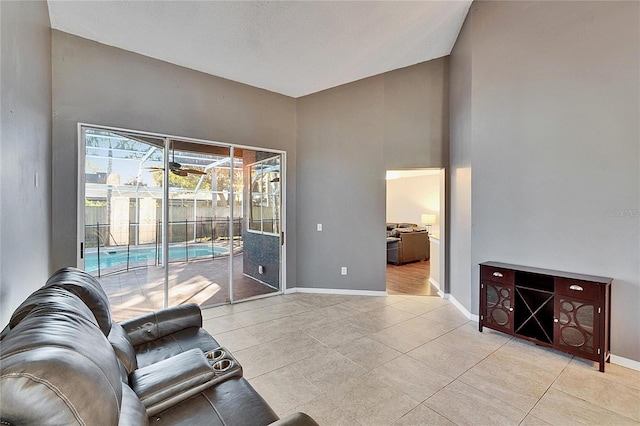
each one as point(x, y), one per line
point(154, 325)
point(173, 380)
point(295, 419)
point(414, 246)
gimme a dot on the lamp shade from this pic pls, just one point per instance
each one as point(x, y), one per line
point(428, 219)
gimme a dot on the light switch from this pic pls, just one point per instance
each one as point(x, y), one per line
point(319, 227)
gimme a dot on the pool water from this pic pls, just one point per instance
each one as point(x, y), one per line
point(138, 256)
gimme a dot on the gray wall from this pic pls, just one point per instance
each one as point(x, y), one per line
point(25, 228)
point(348, 137)
point(554, 145)
point(458, 257)
point(98, 84)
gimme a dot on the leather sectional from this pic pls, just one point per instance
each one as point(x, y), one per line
point(64, 361)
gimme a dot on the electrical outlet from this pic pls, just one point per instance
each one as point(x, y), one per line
point(319, 227)
point(343, 270)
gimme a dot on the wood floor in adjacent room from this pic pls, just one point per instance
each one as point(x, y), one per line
point(410, 279)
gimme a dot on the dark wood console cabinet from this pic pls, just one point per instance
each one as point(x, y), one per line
point(565, 311)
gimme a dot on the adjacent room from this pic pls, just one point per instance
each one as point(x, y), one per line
point(193, 197)
point(413, 231)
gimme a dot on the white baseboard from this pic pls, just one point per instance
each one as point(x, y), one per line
point(435, 283)
point(336, 291)
point(615, 359)
point(461, 308)
point(624, 362)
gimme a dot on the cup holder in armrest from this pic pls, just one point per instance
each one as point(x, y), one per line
point(216, 354)
point(223, 364)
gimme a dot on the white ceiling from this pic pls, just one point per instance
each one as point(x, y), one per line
point(293, 48)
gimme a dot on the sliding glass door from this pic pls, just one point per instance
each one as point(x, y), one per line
point(200, 211)
point(122, 206)
point(213, 211)
point(261, 256)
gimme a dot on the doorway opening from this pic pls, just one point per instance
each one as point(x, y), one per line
point(415, 231)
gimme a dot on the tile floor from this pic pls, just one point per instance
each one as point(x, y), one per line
point(411, 360)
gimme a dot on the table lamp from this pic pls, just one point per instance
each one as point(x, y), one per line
point(428, 219)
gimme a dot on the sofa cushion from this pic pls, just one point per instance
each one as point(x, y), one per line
point(52, 299)
point(57, 367)
point(132, 411)
point(154, 325)
point(123, 348)
point(165, 383)
point(167, 346)
point(397, 231)
point(229, 403)
point(88, 289)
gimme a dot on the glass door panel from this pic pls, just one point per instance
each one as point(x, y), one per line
point(122, 237)
point(199, 240)
point(257, 266)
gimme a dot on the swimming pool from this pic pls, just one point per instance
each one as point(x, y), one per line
point(138, 256)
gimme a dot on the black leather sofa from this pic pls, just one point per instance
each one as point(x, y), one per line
point(64, 361)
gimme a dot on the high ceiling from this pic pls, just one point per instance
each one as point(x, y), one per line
point(293, 48)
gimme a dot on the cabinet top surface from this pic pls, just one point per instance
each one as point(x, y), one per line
point(542, 271)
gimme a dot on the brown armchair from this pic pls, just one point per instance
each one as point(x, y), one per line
point(408, 247)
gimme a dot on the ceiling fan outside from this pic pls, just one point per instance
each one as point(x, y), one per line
point(176, 168)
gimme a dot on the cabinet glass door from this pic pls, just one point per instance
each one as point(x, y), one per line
point(576, 320)
point(499, 306)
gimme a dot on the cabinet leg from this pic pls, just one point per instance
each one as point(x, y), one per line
point(602, 366)
point(480, 326)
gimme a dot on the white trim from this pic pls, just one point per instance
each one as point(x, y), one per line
point(335, 291)
point(625, 362)
point(261, 282)
point(232, 201)
point(283, 223)
point(178, 138)
point(80, 206)
point(165, 218)
point(263, 233)
point(461, 308)
point(435, 283)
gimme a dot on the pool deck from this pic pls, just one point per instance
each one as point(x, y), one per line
point(205, 282)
